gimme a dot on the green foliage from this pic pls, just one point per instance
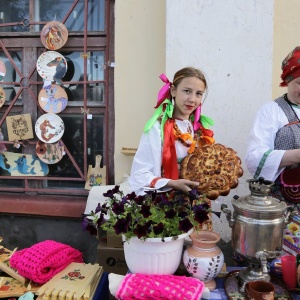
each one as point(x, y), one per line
point(153, 215)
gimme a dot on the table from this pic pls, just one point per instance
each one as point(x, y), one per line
point(220, 294)
point(102, 291)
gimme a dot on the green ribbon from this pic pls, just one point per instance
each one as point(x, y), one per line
point(206, 121)
point(166, 114)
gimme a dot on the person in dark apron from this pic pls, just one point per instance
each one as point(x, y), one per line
point(273, 150)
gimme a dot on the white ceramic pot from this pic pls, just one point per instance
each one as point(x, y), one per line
point(204, 259)
point(153, 256)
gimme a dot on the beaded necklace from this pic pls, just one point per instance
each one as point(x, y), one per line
point(186, 139)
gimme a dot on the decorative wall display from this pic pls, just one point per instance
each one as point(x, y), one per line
point(49, 128)
point(2, 70)
point(2, 96)
point(53, 98)
point(18, 164)
point(19, 127)
point(51, 66)
point(50, 153)
point(54, 35)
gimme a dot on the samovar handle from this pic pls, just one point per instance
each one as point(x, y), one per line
point(228, 214)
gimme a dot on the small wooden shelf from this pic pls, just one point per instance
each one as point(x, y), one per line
point(128, 151)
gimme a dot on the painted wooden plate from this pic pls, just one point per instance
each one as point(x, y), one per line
point(53, 98)
point(54, 35)
point(49, 128)
point(50, 153)
point(51, 66)
point(2, 96)
point(2, 70)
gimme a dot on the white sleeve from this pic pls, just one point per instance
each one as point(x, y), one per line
point(261, 158)
point(147, 162)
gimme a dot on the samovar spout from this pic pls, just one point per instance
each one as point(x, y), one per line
point(228, 214)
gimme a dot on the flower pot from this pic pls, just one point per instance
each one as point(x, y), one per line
point(153, 256)
point(204, 259)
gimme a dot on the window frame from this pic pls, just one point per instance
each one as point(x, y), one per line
point(56, 202)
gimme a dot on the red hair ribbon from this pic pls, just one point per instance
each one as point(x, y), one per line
point(169, 159)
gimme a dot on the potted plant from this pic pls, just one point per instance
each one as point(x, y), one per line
point(163, 219)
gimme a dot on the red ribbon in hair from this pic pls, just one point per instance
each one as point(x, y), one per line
point(169, 159)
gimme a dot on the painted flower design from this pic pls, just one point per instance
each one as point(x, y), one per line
point(73, 275)
point(293, 227)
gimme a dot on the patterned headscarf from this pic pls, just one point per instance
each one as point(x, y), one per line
point(290, 67)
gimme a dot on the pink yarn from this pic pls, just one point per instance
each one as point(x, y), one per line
point(44, 260)
point(168, 287)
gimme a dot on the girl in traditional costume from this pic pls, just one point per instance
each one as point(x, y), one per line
point(175, 129)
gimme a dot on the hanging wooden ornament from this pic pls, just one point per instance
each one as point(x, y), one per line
point(2, 70)
point(19, 127)
point(96, 176)
point(49, 128)
point(51, 66)
point(50, 153)
point(54, 35)
point(53, 98)
point(2, 96)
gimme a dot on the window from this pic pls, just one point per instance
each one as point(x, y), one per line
point(88, 83)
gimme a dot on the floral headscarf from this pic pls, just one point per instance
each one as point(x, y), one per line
point(290, 67)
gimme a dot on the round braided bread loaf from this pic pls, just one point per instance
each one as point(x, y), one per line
point(216, 168)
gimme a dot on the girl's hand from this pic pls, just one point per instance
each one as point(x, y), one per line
point(182, 184)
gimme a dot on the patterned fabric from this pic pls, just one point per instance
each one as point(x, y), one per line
point(290, 67)
point(288, 137)
point(44, 260)
point(139, 286)
point(261, 164)
point(291, 237)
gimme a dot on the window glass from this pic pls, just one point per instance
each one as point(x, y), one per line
point(75, 71)
point(17, 11)
point(14, 11)
point(73, 140)
point(47, 10)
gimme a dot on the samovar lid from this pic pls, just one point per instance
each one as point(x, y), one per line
point(259, 200)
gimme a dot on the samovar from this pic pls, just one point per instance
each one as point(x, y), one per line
point(257, 223)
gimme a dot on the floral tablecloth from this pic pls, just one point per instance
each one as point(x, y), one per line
point(220, 294)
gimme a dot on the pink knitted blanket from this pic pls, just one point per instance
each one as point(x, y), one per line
point(44, 260)
point(165, 287)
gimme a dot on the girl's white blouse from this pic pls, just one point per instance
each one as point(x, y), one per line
point(147, 161)
point(269, 119)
